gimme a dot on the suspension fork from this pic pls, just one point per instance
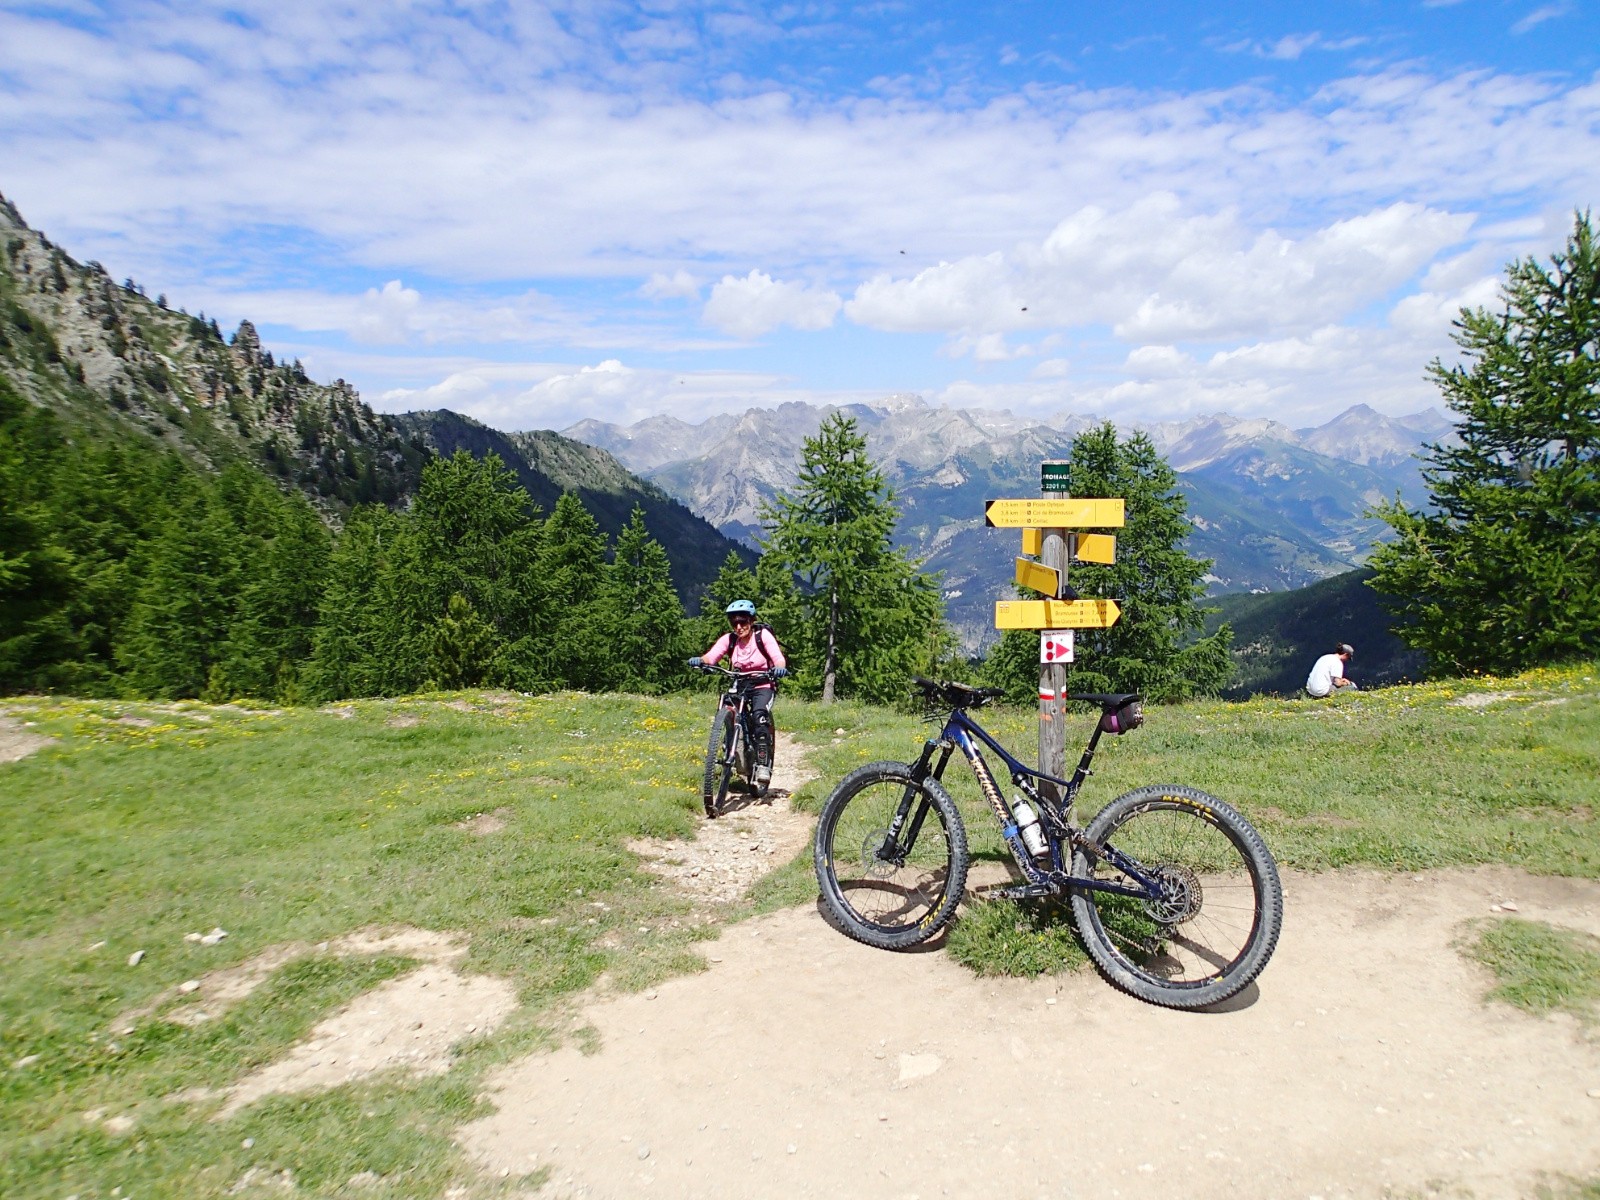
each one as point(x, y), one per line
point(923, 769)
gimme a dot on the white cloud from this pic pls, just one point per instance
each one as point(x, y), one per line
point(1156, 272)
point(758, 304)
point(680, 285)
point(1545, 12)
point(388, 314)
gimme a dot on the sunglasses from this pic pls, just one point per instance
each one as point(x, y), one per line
point(739, 620)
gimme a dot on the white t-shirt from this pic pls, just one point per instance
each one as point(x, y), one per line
point(1327, 668)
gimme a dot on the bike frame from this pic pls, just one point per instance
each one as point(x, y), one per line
point(1062, 837)
point(736, 697)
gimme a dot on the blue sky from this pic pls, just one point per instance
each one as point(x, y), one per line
point(536, 213)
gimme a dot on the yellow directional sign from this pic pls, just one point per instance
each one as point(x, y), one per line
point(1039, 577)
point(1094, 547)
point(1055, 614)
point(1052, 514)
point(1033, 541)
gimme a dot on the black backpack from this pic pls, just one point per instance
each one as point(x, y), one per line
point(756, 630)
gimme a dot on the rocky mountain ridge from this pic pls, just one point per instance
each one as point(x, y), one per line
point(71, 339)
point(121, 365)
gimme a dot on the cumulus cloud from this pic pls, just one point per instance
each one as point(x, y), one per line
point(1155, 271)
point(758, 304)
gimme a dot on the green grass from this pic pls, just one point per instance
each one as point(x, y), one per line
point(1541, 969)
point(144, 822)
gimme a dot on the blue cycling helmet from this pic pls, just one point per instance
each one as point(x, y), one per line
point(745, 608)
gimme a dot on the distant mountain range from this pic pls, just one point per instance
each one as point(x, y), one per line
point(120, 365)
point(1275, 508)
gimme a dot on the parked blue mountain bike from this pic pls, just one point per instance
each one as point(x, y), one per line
point(1175, 895)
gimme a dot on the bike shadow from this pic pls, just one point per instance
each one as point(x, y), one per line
point(739, 801)
point(932, 945)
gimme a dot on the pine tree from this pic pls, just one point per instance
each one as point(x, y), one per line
point(642, 613)
point(270, 640)
point(1502, 571)
point(863, 615)
point(186, 601)
point(357, 642)
point(36, 572)
point(461, 646)
point(571, 568)
point(1157, 585)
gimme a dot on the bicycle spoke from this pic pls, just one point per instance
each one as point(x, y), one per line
point(891, 885)
point(1215, 909)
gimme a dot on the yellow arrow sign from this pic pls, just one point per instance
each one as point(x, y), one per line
point(1039, 577)
point(1052, 514)
point(1094, 547)
point(1055, 614)
point(1033, 542)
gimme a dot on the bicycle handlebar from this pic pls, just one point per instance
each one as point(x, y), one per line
point(757, 676)
point(956, 695)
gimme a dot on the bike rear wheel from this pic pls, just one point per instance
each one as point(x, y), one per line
point(714, 787)
point(890, 893)
point(1222, 906)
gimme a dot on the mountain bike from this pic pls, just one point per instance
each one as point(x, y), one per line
point(1175, 895)
point(731, 748)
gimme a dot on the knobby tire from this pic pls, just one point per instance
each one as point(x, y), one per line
point(907, 896)
point(1224, 911)
point(714, 787)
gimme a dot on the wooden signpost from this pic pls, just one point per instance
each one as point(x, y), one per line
point(1049, 536)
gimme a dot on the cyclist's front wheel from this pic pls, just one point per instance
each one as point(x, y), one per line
point(714, 787)
point(890, 889)
point(1221, 905)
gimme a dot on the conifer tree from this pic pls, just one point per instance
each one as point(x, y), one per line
point(862, 616)
point(356, 639)
point(185, 602)
point(36, 572)
point(1502, 571)
point(461, 646)
point(642, 613)
point(270, 639)
point(571, 568)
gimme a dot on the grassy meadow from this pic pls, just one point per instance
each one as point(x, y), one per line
point(143, 822)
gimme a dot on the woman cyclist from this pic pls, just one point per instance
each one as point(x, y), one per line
point(752, 647)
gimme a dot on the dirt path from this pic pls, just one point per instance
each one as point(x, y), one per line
point(803, 1064)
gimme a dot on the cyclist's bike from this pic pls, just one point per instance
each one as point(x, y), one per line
point(731, 748)
point(1174, 894)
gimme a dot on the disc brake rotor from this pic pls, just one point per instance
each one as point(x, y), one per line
point(1181, 895)
point(872, 859)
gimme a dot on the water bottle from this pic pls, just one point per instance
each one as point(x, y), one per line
point(1028, 826)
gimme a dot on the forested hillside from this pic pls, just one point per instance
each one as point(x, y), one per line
point(182, 515)
point(547, 464)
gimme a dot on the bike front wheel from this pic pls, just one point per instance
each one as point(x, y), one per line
point(714, 787)
point(1221, 906)
point(890, 889)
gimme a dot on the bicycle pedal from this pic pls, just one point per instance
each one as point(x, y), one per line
point(1028, 891)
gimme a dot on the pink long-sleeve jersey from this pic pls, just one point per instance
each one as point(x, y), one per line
point(747, 655)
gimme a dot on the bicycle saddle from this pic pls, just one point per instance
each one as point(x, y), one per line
point(1107, 700)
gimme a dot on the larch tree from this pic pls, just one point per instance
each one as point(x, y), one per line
point(1502, 570)
point(862, 616)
